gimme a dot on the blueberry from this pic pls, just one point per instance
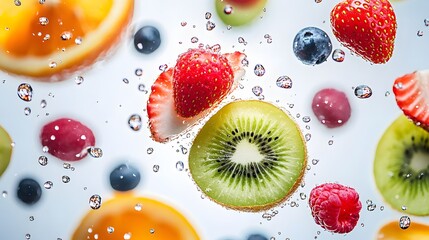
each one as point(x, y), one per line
point(256, 236)
point(147, 39)
point(124, 178)
point(29, 191)
point(312, 46)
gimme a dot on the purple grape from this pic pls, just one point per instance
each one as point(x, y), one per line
point(331, 107)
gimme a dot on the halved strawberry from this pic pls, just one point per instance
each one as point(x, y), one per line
point(366, 27)
point(164, 122)
point(412, 96)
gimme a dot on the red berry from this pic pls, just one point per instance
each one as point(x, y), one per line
point(331, 107)
point(411, 94)
point(367, 27)
point(335, 207)
point(67, 139)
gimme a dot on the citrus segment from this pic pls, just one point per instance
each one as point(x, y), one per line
point(59, 36)
point(137, 217)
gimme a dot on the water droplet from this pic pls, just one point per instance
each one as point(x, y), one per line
point(25, 92)
point(387, 93)
point(95, 152)
point(95, 201)
point(307, 137)
point(65, 179)
point(210, 25)
point(138, 72)
point(194, 40)
point(363, 91)
point(155, 168)
point(78, 40)
point(315, 161)
point(259, 70)
point(127, 236)
point(371, 207)
point(404, 222)
point(142, 88)
point(163, 67)
point(27, 111)
point(257, 90)
point(293, 204)
point(43, 21)
point(42, 1)
point(110, 230)
point(245, 62)
point(404, 208)
point(31, 218)
point(284, 82)
point(48, 185)
point(152, 231)
point(4, 194)
point(125, 80)
point(306, 119)
point(183, 149)
point(208, 15)
point(330, 142)
point(419, 33)
point(138, 207)
point(228, 9)
point(66, 165)
point(338, 55)
point(303, 196)
point(183, 24)
point(27, 236)
point(66, 35)
point(79, 80)
point(45, 149)
point(180, 165)
point(43, 160)
point(426, 22)
point(317, 1)
point(149, 150)
point(53, 64)
point(135, 122)
point(381, 208)
point(241, 40)
point(17, 3)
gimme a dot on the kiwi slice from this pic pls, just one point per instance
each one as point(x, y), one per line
point(401, 167)
point(5, 150)
point(249, 156)
point(239, 12)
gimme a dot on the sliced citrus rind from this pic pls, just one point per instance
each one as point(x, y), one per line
point(99, 33)
point(136, 217)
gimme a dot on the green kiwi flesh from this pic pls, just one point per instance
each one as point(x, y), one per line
point(240, 15)
point(401, 167)
point(249, 156)
point(5, 150)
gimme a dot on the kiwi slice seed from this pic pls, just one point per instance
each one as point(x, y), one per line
point(249, 156)
point(401, 167)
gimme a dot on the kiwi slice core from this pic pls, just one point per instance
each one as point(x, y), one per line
point(401, 167)
point(249, 156)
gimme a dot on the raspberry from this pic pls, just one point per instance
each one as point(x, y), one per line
point(335, 207)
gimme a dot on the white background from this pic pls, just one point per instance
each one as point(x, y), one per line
point(104, 103)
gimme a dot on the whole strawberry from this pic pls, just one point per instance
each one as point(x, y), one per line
point(366, 27)
point(202, 78)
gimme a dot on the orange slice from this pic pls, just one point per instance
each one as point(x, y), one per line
point(49, 40)
point(130, 217)
point(392, 231)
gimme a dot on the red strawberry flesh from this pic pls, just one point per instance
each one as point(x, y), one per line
point(335, 207)
point(412, 96)
point(367, 27)
point(67, 139)
point(201, 79)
